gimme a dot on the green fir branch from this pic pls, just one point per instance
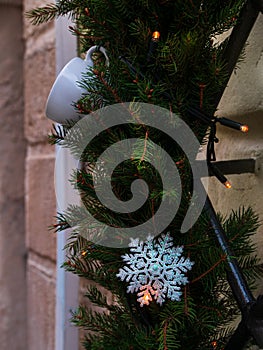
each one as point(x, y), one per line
point(58, 134)
point(186, 69)
point(51, 11)
point(43, 14)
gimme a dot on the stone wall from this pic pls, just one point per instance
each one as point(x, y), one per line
point(12, 211)
point(39, 74)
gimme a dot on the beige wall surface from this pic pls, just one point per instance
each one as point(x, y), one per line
point(243, 101)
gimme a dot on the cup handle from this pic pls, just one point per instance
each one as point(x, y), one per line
point(93, 49)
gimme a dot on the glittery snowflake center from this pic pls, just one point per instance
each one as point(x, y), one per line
point(155, 269)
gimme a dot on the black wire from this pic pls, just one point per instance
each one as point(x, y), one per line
point(210, 151)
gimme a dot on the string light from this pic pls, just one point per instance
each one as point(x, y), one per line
point(223, 121)
point(233, 124)
point(227, 184)
point(221, 177)
point(153, 45)
point(214, 344)
point(244, 128)
point(146, 298)
point(156, 36)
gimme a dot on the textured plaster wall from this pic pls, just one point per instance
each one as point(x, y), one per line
point(12, 157)
point(243, 102)
point(39, 74)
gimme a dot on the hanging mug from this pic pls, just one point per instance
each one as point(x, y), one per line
point(66, 89)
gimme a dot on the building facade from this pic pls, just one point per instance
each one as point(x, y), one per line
point(28, 268)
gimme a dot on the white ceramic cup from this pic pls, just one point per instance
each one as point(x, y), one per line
point(66, 89)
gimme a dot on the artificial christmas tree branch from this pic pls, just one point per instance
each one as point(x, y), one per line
point(177, 70)
point(236, 278)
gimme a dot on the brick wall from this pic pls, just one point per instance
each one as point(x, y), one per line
point(12, 146)
point(39, 73)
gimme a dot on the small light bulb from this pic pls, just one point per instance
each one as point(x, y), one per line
point(232, 124)
point(83, 253)
point(214, 344)
point(156, 36)
point(244, 128)
point(146, 297)
point(227, 184)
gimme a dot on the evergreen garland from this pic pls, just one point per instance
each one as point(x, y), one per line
point(187, 69)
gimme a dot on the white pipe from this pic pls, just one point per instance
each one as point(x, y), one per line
point(66, 335)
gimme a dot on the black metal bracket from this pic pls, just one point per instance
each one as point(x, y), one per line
point(251, 324)
point(230, 167)
point(237, 166)
point(259, 5)
point(239, 36)
point(235, 276)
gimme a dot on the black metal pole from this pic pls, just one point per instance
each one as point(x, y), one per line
point(259, 5)
point(238, 38)
point(235, 276)
point(237, 284)
point(251, 324)
point(239, 338)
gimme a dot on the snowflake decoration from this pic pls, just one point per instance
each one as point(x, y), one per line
point(155, 269)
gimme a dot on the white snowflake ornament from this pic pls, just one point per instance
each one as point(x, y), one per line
point(155, 269)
